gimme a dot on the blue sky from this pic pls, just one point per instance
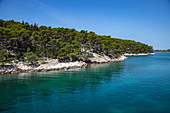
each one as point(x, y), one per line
point(146, 21)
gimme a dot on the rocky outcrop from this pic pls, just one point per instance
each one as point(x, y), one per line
point(103, 58)
point(53, 64)
point(20, 67)
point(138, 54)
point(8, 69)
point(106, 59)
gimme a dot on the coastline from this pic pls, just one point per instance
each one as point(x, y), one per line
point(53, 64)
point(162, 51)
point(22, 68)
point(138, 54)
point(106, 59)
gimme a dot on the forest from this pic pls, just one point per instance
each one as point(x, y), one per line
point(21, 41)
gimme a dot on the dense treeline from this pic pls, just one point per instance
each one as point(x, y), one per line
point(23, 41)
point(168, 50)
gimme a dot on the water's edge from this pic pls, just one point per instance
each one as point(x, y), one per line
point(20, 68)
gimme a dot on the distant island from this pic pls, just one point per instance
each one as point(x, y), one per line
point(167, 50)
point(25, 46)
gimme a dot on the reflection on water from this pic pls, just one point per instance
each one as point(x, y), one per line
point(101, 71)
point(136, 85)
point(26, 87)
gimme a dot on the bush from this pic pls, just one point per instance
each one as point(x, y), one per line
point(30, 57)
point(4, 57)
point(90, 55)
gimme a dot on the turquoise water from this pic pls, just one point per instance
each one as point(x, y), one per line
point(137, 85)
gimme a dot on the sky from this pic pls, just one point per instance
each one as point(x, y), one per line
point(146, 21)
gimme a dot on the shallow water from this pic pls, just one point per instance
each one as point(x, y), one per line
point(137, 85)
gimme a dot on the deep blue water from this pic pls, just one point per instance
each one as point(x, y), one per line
point(139, 84)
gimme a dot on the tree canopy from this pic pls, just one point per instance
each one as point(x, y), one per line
point(18, 39)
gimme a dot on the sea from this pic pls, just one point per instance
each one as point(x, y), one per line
point(139, 84)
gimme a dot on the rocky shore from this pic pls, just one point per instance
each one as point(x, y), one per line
point(105, 59)
point(138, 54)
point(21, 67)
point(53, 64)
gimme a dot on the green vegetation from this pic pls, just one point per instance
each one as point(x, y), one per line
point(168, 50)
point(28, 42)
point(5, 57)
point(30, 57)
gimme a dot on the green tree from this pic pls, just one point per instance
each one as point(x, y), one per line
point(30, 57)
point(4, 57)
point(63, 43)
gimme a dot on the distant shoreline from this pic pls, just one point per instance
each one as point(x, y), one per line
point(53, 64)
point(162, 52)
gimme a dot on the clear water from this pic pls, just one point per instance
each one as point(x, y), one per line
point(137, 85)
